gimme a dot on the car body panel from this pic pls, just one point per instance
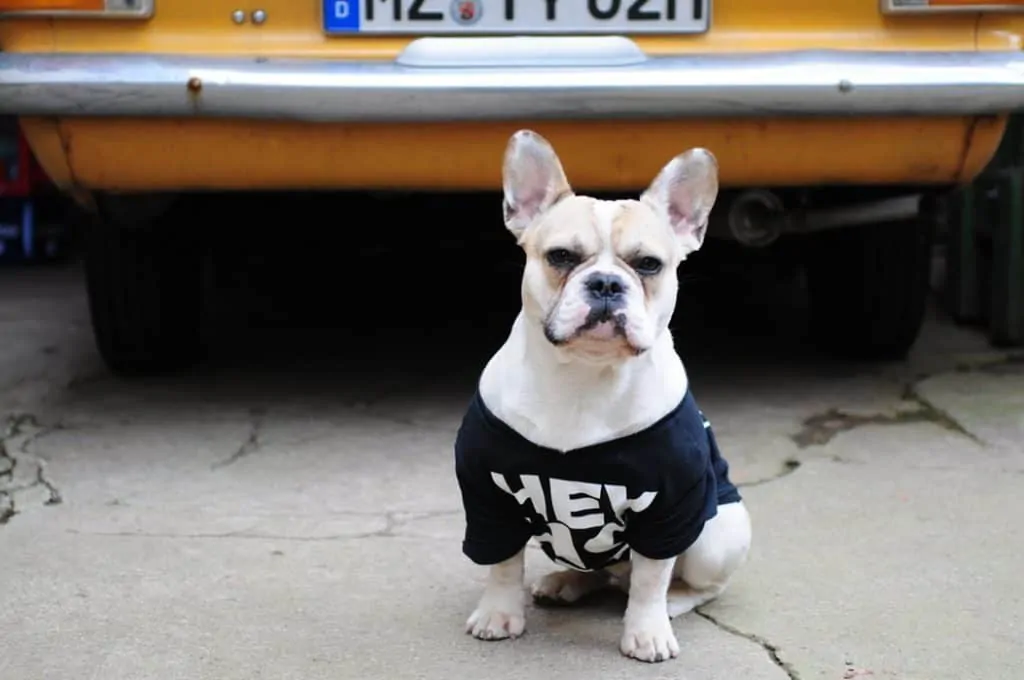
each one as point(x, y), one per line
point(293, 28)
point(155, 154)
point(196, 152)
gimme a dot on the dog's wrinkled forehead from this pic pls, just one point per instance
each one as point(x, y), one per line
point(592, 227)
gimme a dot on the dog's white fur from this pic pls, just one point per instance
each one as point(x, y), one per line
point(597, 384)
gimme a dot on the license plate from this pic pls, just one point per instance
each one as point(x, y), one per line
point(521, 17)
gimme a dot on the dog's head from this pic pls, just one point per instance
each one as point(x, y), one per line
point(600, 276)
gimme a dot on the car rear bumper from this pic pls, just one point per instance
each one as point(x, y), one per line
point(422, 86)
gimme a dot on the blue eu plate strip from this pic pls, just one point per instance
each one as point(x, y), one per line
point(342, 16)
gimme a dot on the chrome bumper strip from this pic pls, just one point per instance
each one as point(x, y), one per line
point(810, 83)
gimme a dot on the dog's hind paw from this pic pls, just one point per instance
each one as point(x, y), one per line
point(567, 587)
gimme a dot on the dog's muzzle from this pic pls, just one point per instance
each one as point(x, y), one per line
point(606, 295)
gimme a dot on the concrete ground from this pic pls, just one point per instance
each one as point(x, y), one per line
point(289, 509)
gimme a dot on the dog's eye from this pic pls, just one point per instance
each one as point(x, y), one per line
point(647, 266)
point(560, 258)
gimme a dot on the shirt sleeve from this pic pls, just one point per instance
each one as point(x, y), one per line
point(676, 516)
point(496, 529)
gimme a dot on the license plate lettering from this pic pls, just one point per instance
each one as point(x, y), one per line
point(371, 11)
point(510, 17)
point(605, 13)
point(637, 12)
point(342, 9)
point(417, 13)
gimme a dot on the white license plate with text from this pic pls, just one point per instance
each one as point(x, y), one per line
point(522, 17)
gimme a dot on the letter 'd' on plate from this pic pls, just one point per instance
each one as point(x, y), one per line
point(521, 17)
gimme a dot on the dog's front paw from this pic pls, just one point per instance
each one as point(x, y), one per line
point(649, 638)
point(498, 616)
point(495, 624)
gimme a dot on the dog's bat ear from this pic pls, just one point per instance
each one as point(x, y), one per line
point(533, 180)
point(685, 191)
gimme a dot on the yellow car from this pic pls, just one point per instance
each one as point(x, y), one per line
point(833, 121)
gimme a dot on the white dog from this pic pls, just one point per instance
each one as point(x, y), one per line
point(583, 433)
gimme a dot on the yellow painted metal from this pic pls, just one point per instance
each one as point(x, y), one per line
point(171, 154)
point(1000, 31)
point(174, 154)
point(293, 27)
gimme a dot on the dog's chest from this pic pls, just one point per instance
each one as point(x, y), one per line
point(569, 428)
point(586, 507)
point(650, 491)
point(579, 509)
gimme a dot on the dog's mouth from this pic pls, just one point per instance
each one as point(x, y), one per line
point(602, 328)
point(603, 322)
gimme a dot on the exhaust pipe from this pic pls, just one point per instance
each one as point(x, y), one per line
point(757, 218)
point(889, 210)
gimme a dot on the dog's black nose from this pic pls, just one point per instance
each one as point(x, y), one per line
point(605, 286)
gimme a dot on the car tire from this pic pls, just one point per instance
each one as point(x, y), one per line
point(868, 288)
point(144, 283)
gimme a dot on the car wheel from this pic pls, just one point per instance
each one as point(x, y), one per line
point(869, 287)
point(144, 284)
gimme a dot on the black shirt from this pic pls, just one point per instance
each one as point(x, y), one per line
point(651, 491)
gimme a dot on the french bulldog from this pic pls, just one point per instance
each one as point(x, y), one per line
point(583, 433)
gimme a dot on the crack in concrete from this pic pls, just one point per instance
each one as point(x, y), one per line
point(1011, 362)
point(223, 536)
point(821, 428)
point(16, 427)
point(249, 446)
point(393, 521)
point(7, 507)
point(939, 416)
point(789, 466)
point(773, 650)
point(407, 422)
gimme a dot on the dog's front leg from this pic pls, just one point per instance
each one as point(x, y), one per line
point(500, 613)
point(648, 633)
